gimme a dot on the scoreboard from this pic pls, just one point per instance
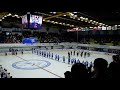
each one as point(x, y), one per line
point(35, 22)
point(24, 21)
point(30, 21)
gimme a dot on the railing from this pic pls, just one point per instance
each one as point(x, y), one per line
point(67, 44)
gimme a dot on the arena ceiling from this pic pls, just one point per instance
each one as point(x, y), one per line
point(68, 19)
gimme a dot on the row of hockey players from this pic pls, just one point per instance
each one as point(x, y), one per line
point(13, 51)
point(73, 53)
point(57, 57)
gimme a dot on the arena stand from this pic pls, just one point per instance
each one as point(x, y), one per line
point(43, 37)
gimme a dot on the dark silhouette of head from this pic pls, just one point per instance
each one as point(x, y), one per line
point(116, 58)
point(114, 68)
point(100, 69)
point(79, 71)
point(100, 65)
point(67, 74)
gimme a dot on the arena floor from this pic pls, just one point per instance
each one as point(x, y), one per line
point(34, 66)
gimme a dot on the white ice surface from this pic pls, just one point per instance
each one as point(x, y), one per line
point(55, 70)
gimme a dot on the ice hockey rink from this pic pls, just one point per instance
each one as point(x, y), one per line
point(31, 65)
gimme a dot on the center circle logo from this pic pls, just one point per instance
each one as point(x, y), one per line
point(31, 64)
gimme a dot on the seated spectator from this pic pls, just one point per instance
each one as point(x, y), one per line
point(0, 66)
point(78, 71)
point(67, 74)
point(3, 73)
point(100, 70)
point(8, 75)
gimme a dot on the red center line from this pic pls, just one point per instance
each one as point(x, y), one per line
point(41, 68)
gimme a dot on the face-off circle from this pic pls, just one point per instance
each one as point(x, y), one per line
point(31, 64)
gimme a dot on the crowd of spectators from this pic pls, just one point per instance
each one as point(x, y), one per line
point(101, 70)
point(11, 39)
point(64, 37)
point(102, 40)
point(4, 73)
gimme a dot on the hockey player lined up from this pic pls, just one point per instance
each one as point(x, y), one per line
point(81, 53)
point(44, 54)
point(90, 67)
point(74, 53)
point(49, 54)
point(12, 51)
point(68, 54)
point(68, 60)
point(88, 54)
point(75, 61)
point(32, 50)
point(37, 52)
point(72, 61)
point(58, 57)
point(5, 53)
point(46, 48)
point(77, 54)
point(83, 62)
point(62, 47)
point(16, 52)
point(86, 64)
point(78, 61)
point(91, 63)
point(40, 53)
point(22, 51)
point(85, 54)
point(71, 52)
point(52, 55)
point(64, 59)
